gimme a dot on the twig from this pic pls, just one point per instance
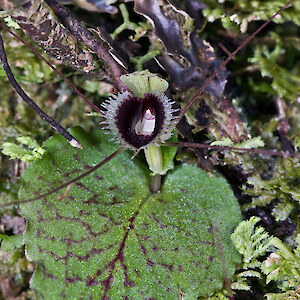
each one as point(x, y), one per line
point(86, 37)
point(54, 69)
point(229, 58)
point(30, 102)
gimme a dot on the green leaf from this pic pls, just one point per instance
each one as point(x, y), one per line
point(282, 210)
point(16, 151)
point(251, 241)
point(108, 237)
point(225, 141)
point(283, 266)
point(11, 243)
point(11, 23)
point(251, 143)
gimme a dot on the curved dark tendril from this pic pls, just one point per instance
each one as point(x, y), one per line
point(87, 38)
point(73, 142)
point(229, 58)
point(91, 170)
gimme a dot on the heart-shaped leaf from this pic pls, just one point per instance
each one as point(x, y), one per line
point(107, 237)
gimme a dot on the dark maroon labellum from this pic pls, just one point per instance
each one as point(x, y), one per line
point(135, 114)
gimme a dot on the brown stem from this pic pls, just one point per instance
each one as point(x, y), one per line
point(155, 184)
point(30, 102)
point(229, 58)
point(54, 69)
point(87, 38)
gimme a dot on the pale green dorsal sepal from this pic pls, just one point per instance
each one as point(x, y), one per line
point(140, 83)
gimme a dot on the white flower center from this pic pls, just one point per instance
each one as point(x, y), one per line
point(146, 125)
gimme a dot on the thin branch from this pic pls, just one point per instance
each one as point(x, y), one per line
point(229, 58)
point(30, 102)
point(155, 185)
point(87, 38)
point(53, 68)
point(222, 148)
point(69, 183)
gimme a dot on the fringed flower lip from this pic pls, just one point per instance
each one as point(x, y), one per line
point(143, 116)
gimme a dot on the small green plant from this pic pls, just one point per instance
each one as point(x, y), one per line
point(34, 151)
point(252, 242)
point(283, 186)
point(281, 266)
point(11, 243)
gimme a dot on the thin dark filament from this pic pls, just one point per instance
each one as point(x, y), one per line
point(30, 102)
point(229, 58)
point(91, 170)
point(54, 69)
point(221, 148)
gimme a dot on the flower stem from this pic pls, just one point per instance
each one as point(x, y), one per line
point(155, 184)
point(155, 161)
